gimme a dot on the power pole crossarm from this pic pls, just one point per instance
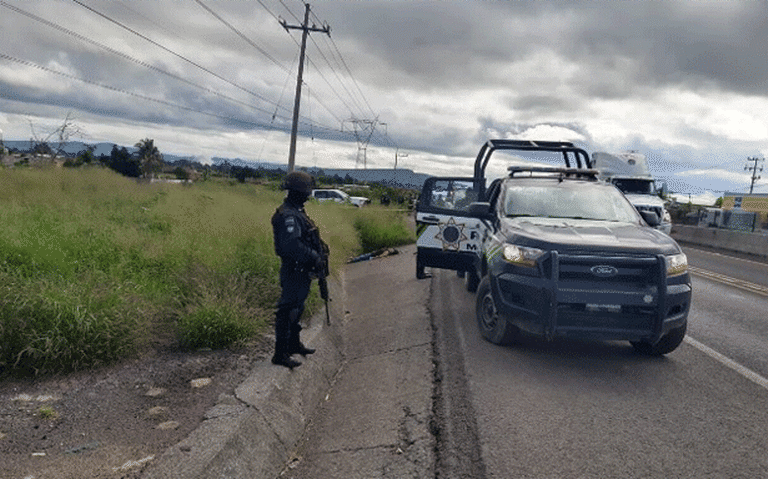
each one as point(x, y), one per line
point(305, 28)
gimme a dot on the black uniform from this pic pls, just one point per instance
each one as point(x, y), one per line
point(297, 242)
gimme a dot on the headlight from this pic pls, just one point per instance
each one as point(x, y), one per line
point(676, 264)
point(521, 255)
point(666, 217)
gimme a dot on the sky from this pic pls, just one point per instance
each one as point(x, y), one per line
point(420, 83)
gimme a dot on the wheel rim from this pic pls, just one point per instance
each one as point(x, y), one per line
point(489, 316)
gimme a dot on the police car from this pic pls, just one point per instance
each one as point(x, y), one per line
point(553, 252)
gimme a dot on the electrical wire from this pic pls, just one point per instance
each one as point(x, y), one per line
point(178, 55)
point(241, 35)
point(28, 63)
point(312, 124)
point(128, 57)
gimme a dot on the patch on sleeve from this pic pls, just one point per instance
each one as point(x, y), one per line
point(290, 224)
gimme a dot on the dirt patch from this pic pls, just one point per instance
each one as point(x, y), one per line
point(112, 422)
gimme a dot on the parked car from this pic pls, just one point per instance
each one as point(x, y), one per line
point(327, 194)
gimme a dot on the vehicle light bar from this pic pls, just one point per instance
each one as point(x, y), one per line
point(576, 172)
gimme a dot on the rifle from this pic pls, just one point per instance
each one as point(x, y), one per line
point(323, 250)
point(322, 280)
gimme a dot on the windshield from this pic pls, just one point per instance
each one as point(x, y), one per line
point(634, 186)
point(581, 201)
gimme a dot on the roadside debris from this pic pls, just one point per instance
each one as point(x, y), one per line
point(379, 253)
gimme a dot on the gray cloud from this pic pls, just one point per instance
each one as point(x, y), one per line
point(661, 77)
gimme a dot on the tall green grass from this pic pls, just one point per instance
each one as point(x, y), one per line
point(95, 267)
point(382, 229)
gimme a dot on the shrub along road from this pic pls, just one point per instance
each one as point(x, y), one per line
point(145, 418)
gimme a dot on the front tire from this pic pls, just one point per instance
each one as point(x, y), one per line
point(668, 343)
point(493, 327)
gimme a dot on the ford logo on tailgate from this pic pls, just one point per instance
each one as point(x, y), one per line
point(604, 270)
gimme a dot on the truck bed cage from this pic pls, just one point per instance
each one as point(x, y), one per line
point(570, 152)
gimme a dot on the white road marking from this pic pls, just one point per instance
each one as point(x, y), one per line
point(728, 362)
point(736, 283)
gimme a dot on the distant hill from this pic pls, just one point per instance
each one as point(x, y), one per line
point(400, 178)
point(72, 148)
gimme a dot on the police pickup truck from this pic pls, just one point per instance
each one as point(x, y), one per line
point(553, 252)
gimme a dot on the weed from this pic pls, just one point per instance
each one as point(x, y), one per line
point(378, 230)
point(94, 266)
point(48, 413)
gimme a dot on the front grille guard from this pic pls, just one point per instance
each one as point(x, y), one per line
point(552, 276)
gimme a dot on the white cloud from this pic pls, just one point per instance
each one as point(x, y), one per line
point(681, 83)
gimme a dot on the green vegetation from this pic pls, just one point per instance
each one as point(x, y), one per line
point(95, 267)
point(49, 413)
point(377, 229)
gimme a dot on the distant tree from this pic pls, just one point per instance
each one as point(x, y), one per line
point(84, 157)
point(719, 202)
point(122, 162)
point(181, 173)
point(54, 142)
point(150, 159)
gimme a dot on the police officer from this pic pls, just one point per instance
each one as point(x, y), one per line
point(297, 242)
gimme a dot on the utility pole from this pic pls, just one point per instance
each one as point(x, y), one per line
point(305, 28)
point(754, 171)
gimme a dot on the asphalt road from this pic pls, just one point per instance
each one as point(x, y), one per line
point(567, 409)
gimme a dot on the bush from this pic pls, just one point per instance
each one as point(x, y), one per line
point(94, 267)
point(214, 326)
point(63, 329)
point(377, 229)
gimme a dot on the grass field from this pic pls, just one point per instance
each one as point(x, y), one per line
point(95, 267)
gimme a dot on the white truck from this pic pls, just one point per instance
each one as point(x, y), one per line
point(629, 172)
point(338, 196)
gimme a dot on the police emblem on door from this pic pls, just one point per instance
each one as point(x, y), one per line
point(451, 235)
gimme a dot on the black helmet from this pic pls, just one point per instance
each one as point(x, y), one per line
point(299, 181)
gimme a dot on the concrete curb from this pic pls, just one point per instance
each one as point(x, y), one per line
point(755, 244)
point(253, 433)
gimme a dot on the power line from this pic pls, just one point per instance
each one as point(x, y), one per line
point(241, 35)
point(178, 55)
point(351, 76)
point(277, 105)
point(312, 124)
point(121, 90)
point(291, 12)
point(333, 70)
point(128, 57)
point(136, 95)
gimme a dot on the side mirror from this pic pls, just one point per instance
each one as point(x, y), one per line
point(480, 209)
point(662, 188)
point(651, 218)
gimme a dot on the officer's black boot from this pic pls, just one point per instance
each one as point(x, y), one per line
point(282, 355)
point(294, 344)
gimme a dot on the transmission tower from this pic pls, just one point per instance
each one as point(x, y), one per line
point(363, 130)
